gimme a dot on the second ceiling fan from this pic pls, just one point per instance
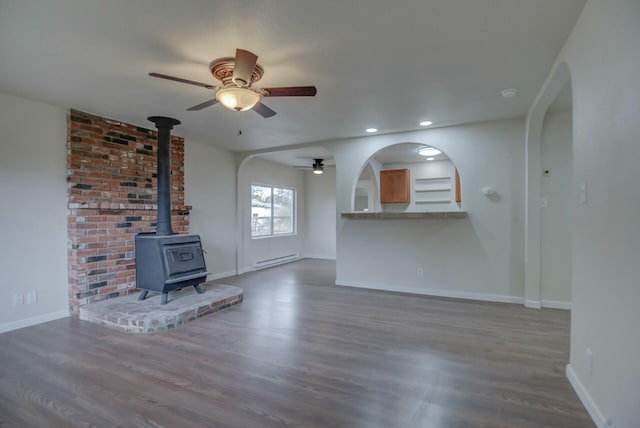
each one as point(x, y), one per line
point(237, 76)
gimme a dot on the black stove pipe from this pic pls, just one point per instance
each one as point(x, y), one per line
point(164, 125)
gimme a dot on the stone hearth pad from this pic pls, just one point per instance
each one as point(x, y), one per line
point(130, 315)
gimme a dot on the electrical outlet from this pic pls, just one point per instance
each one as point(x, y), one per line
point(419, 272)
point(18, 299)
point(32, 297)
point(588, 361)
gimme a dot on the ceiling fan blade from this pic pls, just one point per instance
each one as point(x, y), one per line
point(291, 91)
point(179, 79)
point(311, 167)
point(263, 110)
point(243, 67)
point(203, 105)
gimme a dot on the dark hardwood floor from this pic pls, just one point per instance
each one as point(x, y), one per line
point(300, 351)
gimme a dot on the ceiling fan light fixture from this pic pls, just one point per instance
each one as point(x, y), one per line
point(318, 166)
point(428, 151)
point(237, 99)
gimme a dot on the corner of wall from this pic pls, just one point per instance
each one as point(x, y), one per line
point(594, 411)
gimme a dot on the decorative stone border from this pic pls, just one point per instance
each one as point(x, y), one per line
point(130, 315)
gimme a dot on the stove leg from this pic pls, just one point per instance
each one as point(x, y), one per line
point(165, 296)
point(198, 289)
point(143, 295)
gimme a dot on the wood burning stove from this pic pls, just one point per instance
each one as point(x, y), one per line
point(166, 261)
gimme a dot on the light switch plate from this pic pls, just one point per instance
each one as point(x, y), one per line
point(32, 297)
point(583, 192)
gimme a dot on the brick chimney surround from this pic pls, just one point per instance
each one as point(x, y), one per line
point(111, 196)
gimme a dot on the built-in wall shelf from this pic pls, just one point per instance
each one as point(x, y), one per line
point(403, 215)
point(443, 189)
point(435, 201)
point(432, 190)
point(433, 182)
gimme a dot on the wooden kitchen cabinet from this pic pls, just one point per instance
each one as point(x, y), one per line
point(395, 186)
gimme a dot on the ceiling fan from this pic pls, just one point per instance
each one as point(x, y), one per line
point(237, 76)
point(317, 167)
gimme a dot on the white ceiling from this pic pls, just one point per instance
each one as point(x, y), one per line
point(404, 153)
point(374, 62)
point(301, 157)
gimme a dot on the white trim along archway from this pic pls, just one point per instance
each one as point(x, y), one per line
point(557, 80)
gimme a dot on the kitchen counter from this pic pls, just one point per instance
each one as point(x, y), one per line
point(360, 215)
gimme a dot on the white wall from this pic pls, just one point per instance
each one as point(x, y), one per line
point(210, 187)
point(320, 210)
point(480, 256)
point(33, 220)
point(602, 55)
point(555, 265)
point(261, 171)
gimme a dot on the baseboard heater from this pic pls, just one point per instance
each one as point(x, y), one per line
point(276, 261)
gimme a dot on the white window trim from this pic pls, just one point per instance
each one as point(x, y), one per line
point(295, 212)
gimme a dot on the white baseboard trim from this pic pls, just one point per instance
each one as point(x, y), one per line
point(551, 304)
point(28, 322)
point(433, 292)
point(221, 275)
point(555, 304)
point(586, 399)
point(316, 256)
point(533, 304)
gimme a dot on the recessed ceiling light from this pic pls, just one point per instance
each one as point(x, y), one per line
point(426, 123)
point(371, 130)
point(428, 151)
point(430, 158)
point(509, 93)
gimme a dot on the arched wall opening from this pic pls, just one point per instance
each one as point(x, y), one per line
point(559, 128)
point(432, 180)
point(314, 206)
point(556, 202)
point(365, 195)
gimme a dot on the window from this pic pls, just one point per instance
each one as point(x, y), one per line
point(272, 211)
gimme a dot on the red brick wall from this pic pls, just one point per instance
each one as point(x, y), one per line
point(111, 175)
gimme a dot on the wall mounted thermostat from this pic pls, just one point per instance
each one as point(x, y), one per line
point(488, 191)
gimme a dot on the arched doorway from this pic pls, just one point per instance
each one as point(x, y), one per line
point(548, 194)
point(555, 202)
